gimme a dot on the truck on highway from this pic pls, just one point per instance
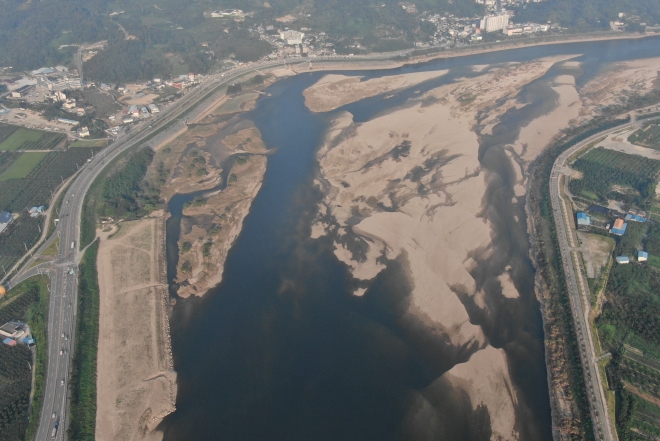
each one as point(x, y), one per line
point(73, 244)
point(53, 434)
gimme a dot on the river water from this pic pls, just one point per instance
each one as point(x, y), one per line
point(281, 349)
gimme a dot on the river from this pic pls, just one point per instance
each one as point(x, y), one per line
point(281, 349)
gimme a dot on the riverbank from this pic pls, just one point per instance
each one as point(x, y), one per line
point(136, 384)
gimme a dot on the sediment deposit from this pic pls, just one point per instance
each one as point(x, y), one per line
point(136, 384)
point(409, 186)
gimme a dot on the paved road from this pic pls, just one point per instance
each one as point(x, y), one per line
point(64, 281)
point(578, 291)
point(578, 288)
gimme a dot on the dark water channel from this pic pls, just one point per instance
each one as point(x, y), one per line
point(281, 349)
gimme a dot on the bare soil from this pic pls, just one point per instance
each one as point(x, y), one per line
point(136, 386)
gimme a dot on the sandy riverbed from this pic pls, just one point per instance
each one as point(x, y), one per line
point(413, 178)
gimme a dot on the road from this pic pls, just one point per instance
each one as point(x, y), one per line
point(578, 291)
point(577, 286)
point(62, 271)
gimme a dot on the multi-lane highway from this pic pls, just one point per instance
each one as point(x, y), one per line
point(62, 271)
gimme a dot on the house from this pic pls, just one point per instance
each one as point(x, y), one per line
point(642, 256)
point(12, 330)
point(71, 122)
point(69, 104)
point(154, 108)
point(622, 260)
point(619, 227)
point(635, 217)
point(292, 37)
point(83, 132)
point(9, 342)
point(5, 219)
point(22, 91)
point(583, 219)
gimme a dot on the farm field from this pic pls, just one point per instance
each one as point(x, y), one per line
point(35, 188)
point(27, 139)
point(7, 159)
point(6, 130)
point(609, 174)
point(648, 136)
point(22, 166)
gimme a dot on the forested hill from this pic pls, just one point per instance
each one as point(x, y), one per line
point(585, 15)
point(30, 33)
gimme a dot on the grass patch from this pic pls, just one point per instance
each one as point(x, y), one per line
point(654, 261)
point(83, 377)
point(52, 248)
point(22, 166)
point(20, 137)
point(89, 143)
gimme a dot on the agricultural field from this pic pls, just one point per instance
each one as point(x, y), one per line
point(30, 305)
point(27, 139)
point(638, 377)
point(6, 130)
point(35, 188)
point(648, 136)
point(23, 232)
point(7, 159)
point(22, 166)
point(609, 174)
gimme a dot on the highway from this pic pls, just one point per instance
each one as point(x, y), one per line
point(577, 286)
point(63, 270)
point(578, 291)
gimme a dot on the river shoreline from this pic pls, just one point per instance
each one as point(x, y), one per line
point(530, 233)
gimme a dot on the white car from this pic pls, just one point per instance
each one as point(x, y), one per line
point(53, 416)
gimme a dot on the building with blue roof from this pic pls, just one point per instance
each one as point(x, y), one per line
point(622, 259)
point(583, 219)
point(619, 227)
point(635, 217)
point(642, 256)
point(5, 219)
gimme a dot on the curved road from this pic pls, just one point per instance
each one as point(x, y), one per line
point(578, 289)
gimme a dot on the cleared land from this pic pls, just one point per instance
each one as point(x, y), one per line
point(22, 166)
point(136, 386)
